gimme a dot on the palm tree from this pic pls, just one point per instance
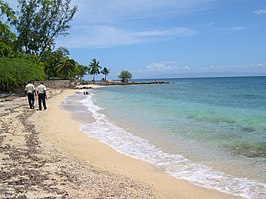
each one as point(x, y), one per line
point(94, 68)
point(82, 70)
point(125, 76)
point(105, 72)
point(66, 68)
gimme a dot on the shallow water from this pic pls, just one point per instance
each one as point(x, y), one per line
point(210, 131)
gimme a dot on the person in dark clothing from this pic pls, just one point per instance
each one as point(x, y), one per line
point(41, 89)
point(30, 89)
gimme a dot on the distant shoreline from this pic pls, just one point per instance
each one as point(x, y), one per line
point(113, 83)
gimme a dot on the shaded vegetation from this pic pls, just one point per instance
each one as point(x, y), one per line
point(16, 72)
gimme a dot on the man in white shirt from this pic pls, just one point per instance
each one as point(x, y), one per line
point(41, 89)
point(30, 89)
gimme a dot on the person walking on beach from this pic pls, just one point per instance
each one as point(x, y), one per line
point(41, 90)
point(30, 89)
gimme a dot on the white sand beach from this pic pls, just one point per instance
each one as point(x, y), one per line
point(44, 154)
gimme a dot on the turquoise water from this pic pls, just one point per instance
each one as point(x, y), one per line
point(209, 131)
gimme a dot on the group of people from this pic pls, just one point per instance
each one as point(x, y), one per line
point(40, 91)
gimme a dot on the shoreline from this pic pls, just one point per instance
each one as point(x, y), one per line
point(87, 167)
point(105, 157)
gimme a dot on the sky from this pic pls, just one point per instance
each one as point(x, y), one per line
point(170, 38)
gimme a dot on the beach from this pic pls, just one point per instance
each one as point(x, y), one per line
point(44, 154)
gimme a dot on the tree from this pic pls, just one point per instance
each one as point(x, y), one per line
point(82, 70)
point(7, 11)
point(5, 33)
point(125, 76)
point(105, 72)
point(40, 22)
point(66, 68)
point(6, 50)
point(7, 37)
point(7, 15)
point(63, 51)
point(94, 68)
point(50, 60)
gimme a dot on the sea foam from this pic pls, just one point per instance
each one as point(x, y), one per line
point(174, 164)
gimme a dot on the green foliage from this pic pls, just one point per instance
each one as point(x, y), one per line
point(63, 51)
point(82, 70)
point(94, 68)
point(66, 68)
point(50, 59)
point(16, 72)
point(125, 76)
point(40, 22)
point(105, 72)
point(6, 36)
point(5, 50)
point(6, 11)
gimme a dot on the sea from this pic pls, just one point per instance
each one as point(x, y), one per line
point(208, 131)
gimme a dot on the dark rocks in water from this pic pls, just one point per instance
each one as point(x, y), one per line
point(248, 129)
point(108, 83)
point(254, 150)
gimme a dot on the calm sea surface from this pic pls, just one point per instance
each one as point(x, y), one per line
point(209, 131)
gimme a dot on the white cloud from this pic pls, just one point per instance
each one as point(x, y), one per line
point(101, 23)
point(236, 28)
point(158, 67)
point(95, 11)
point(107, 36)
point(236, 68)
point(175, 32)
point(209, 24)
point(170, 69)
point(260, 65)
point(166, 67)
point(260, 12)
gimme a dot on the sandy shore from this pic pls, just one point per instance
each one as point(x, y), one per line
point(45, 155)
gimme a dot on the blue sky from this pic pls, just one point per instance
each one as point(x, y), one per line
point(170, 38)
